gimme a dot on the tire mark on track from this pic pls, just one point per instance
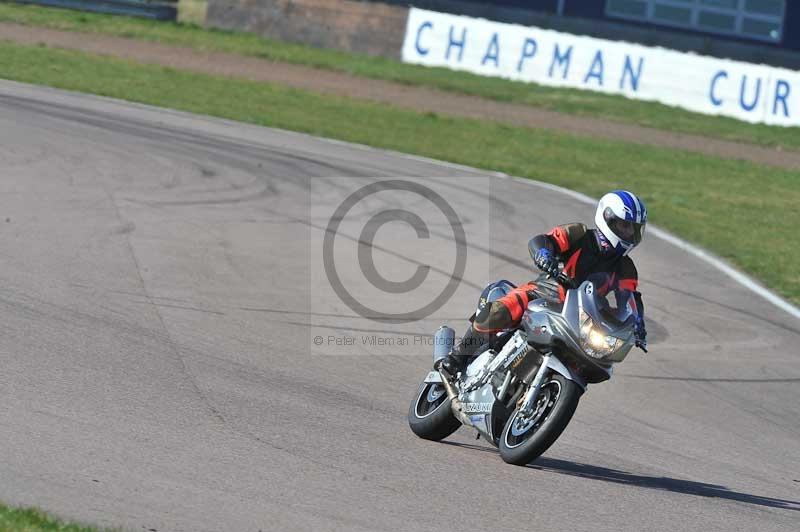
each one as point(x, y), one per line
point(168, 336)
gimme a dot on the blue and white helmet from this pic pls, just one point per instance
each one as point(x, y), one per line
point(621, 217)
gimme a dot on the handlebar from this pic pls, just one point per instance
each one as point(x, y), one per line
point(561, 278)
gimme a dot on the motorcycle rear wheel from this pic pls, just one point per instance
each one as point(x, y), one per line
point(430, 416)
point(525, 438)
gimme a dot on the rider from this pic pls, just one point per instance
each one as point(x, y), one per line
point(620, 221)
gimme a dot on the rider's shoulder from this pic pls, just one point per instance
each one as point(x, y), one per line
point(567, 236)
point(574, 230)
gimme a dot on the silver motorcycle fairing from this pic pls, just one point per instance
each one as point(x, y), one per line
point(556, 365)
point(549, 328)
point(478, 393)
point(481, 406)
point(548, 324)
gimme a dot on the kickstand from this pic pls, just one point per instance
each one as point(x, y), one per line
point(477, 435)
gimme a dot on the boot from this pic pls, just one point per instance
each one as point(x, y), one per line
point(456, 360)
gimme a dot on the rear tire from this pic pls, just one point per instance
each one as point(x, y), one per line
point(523, 440)
point(430, 416)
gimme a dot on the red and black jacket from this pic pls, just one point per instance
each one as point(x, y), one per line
point(583, 253)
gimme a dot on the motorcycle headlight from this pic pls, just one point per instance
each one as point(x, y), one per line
point(594, 341)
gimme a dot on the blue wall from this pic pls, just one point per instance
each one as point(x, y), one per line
point(585, 8)
point(596, 9)
point(791, 26)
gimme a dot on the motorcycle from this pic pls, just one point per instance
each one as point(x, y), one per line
point(520, 391)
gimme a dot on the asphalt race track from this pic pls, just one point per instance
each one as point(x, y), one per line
point(159, 289)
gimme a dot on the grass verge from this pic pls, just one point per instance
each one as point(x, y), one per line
point(570, 101)
point(33, 520)
point(741, 211)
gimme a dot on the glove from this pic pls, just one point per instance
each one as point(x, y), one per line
point(545, 260)
point(640, 334)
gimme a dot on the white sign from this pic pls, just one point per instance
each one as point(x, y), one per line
point(755, 93)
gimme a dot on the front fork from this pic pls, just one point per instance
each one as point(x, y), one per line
point(533, 390)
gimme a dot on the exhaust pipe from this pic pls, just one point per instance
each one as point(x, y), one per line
point(455, 403)
point(443, 342)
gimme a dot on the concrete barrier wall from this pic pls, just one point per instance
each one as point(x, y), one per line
point(364, 27)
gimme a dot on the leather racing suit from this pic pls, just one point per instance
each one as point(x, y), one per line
point(583, 252)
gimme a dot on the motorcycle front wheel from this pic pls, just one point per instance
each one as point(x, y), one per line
point(526, 436)
point(429, 415)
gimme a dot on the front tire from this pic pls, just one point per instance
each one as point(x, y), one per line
point(526, 438)
point(430, 416)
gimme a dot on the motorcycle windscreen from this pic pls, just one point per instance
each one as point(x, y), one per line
point(618, 305)
point(625, 305)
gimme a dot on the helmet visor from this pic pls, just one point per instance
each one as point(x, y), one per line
point(625, 230)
